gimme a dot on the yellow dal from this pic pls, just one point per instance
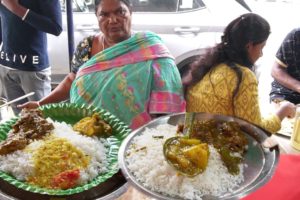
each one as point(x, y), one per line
point(55, 156)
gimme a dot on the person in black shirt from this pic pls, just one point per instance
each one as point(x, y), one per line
point(24, 63)
point(286, 70)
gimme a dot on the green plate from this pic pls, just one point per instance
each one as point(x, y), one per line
point(72, 113)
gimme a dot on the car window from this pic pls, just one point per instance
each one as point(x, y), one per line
point(166, 5)
point(79, 5)
point(141, 5)
point(190, 4)
point(152, 5)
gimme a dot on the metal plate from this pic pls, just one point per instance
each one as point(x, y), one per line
point(261, 161)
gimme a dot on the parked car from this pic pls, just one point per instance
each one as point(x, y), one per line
point(186, 26)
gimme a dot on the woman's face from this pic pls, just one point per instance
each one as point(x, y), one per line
point(255, 51)
point(114, 19)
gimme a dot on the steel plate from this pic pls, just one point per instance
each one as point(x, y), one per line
point(261, 160)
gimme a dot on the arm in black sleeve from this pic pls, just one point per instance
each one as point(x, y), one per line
point(49, 18)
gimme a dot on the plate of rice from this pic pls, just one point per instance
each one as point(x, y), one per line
point(64, 162)
point(143, 163)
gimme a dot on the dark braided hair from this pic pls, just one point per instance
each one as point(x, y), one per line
point(232, 50)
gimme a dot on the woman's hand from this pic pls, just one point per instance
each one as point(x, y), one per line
point(286, 109)
point(60, 93)
point(30, 104)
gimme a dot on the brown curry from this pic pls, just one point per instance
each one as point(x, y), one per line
point(30, 126)
point(226, 137)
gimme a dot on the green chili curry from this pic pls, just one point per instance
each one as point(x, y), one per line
point(226, 137)
point(190, 155)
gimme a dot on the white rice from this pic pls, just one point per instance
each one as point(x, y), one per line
point(150, 168)
point(20, 163)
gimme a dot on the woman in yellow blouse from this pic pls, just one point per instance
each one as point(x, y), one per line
point(222, 81)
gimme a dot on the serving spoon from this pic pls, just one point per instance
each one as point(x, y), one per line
point(188, 123)
point(186, 155)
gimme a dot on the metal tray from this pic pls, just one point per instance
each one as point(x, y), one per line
point(261, 157)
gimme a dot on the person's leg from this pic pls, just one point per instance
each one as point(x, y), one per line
point(18, 83)
point(294, 98)
point(38, 82)
point(1, 90)
point(2, 75)
point(2, 97)
point(3, 110)
point(11, 87)
point(276, 98)
point(279, 93)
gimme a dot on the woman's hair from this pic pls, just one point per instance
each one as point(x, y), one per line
point(126, 2)
point(232, 49)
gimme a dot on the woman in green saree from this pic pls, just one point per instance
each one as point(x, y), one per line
point(132, 75)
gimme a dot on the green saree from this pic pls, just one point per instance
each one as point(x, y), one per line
point(133, 79)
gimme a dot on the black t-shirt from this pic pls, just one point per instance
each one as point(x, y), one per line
point(289, 56)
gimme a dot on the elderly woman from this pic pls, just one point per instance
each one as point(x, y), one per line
point(132, 75)
point(222, 81)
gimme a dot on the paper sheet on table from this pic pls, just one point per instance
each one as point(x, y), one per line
point(287, 126)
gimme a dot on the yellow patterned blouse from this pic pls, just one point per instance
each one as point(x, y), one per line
point(213, 94)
